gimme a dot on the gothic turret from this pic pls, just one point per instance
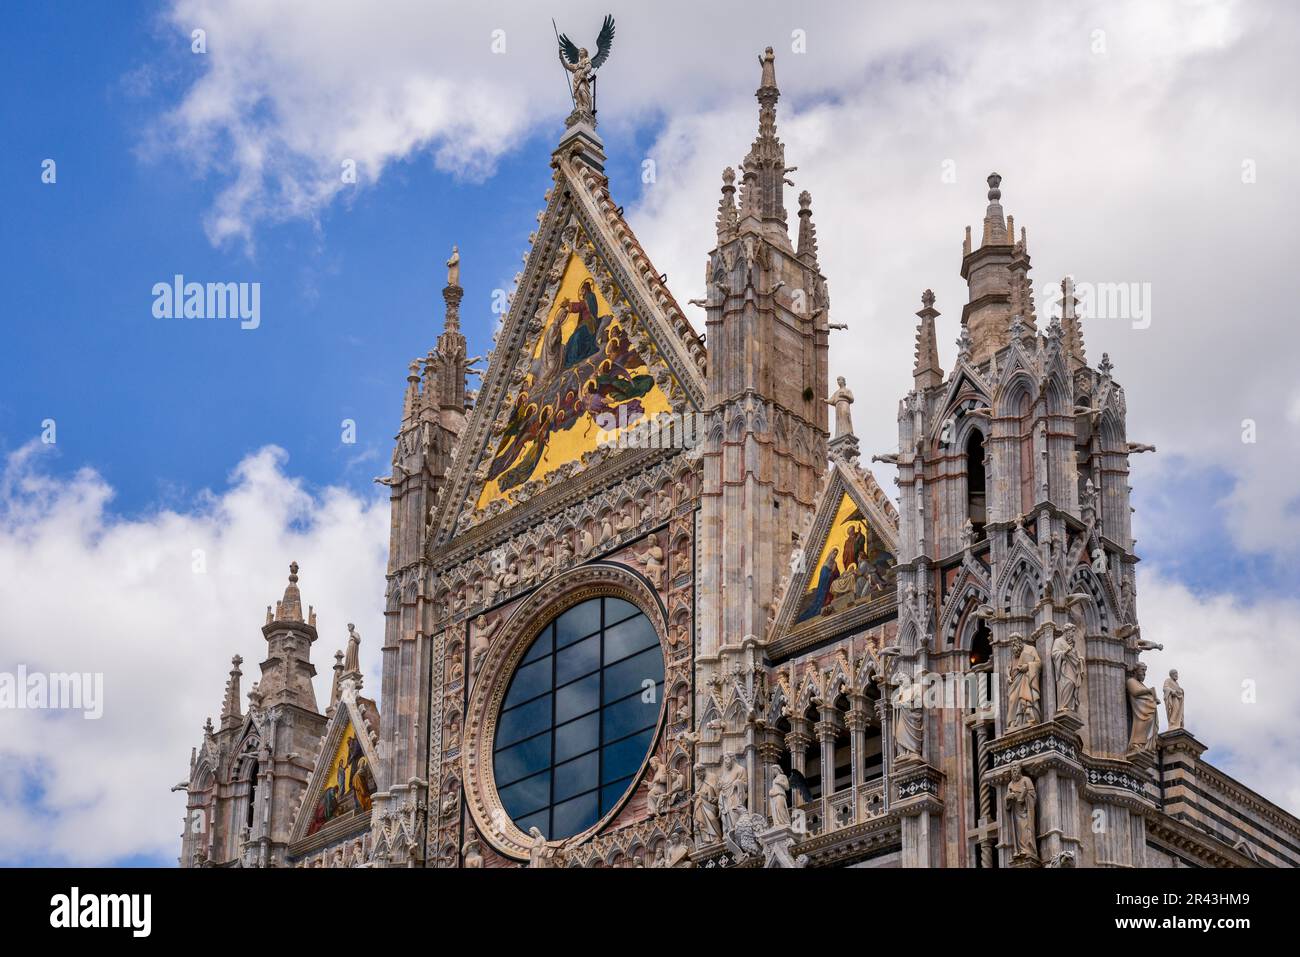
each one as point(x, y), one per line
point(763, 195)
point(287, 672)
point(996, 274)
point(433, 417)
point(766, 442)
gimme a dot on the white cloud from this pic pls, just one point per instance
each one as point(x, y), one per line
point(1121, 130)
point(1124, 167)
point(1123, 158)
point(87, 591)
point(1218, 644)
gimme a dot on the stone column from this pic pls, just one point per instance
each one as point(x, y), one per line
point(769, 753)
point(827, 731)
point(797, 741)
point(988, 814)
point(858, 720)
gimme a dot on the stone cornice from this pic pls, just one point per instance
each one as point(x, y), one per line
point(849, 843)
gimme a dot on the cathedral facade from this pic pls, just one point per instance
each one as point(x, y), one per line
point(646, 605)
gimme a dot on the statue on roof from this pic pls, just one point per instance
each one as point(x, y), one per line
point(583, 67)
point(453, 267)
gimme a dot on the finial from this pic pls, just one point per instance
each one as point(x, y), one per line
point(995, 227)
point(727, 204)
point(1018, 328)
point(964, 344)
point(807, 231)
point(289, 608)
point(926, 372)
point(230, 715)
point(1073, 323)
point(1105, 366)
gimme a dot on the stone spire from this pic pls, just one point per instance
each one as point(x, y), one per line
point(768, 326)
point(765, 167)
point(926, 372)
point(995, 228)
point(289, 608)
point(807, 231)
point(451, 344)
point(411, 400)
point(1072, 322)
point(727, 206)
point(336, 687)
point(1022, 294)
point(230, 715)
point(452, 293)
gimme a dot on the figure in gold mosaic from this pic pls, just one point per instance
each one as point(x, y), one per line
point(585, 374)
point(351, 782)
point(855, 566)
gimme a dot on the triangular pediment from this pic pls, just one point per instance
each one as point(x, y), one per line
point(338, 794)
point(593, 347)
point(847, 567)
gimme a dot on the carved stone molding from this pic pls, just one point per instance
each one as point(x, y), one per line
point(917, 788)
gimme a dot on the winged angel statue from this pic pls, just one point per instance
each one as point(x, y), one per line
point(583, 67)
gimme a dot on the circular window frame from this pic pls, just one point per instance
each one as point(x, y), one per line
point(600, 579)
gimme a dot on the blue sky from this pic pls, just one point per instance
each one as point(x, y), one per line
point(164, 408)
point(182, 434)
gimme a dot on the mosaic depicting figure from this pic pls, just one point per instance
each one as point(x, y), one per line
point(584, 374)
point(351, 783)
point(856, 566)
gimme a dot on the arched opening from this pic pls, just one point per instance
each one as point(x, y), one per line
point(252, 794)
point(873, 754)
point(981, 648)
point(976, 493)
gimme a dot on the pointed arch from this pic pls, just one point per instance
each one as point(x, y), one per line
point(1097, 612)
point(1023, 575)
